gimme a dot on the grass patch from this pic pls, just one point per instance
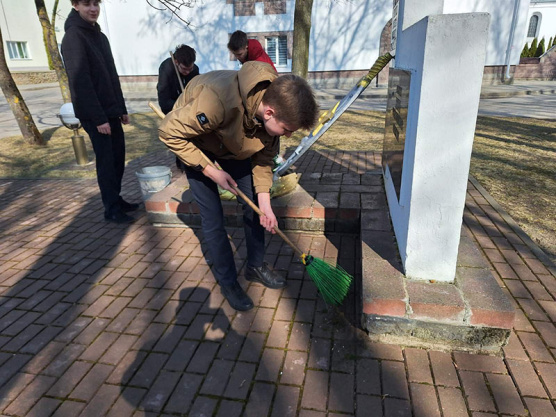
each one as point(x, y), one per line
point(513, 159)
point(57, 160)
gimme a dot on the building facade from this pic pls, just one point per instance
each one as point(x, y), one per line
point(345, 35)
point(542, 20)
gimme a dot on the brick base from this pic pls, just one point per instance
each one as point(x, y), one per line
point(471, 314)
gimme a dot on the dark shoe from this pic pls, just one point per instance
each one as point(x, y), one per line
point(265, 276)
point(236, 297)
point(119, 217)
point(127, 207)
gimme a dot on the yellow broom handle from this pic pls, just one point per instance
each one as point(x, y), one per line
point(239, 192)
point(177, 71)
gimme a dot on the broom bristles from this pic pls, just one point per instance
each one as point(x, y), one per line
point(333, 282)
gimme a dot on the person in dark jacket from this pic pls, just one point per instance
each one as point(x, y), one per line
point(168, 86)
point(98, 102)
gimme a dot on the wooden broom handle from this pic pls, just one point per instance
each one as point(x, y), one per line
point(238, 191)
point(177, 70)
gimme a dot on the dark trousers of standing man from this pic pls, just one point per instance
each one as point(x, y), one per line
point(110, 162)
point(205, 192)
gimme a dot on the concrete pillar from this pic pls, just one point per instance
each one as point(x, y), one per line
point(445, 55)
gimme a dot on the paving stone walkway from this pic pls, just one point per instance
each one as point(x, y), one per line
point(98, 319)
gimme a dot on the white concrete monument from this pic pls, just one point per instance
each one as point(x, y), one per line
point(433, 104)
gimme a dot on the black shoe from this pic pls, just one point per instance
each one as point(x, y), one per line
point(127, 207)
point(265, 276)
point(236, 297)
point(118, 217)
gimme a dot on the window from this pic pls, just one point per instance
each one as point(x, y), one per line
point(17, 50)
point(277, 49)
point(533, 25)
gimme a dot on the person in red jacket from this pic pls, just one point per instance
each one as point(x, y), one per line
point(247, 49)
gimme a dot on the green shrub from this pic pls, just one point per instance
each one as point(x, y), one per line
point(525, 51)
point(533, 47)
point(540, 48)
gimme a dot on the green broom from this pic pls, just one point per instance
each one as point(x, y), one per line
point(333, 282)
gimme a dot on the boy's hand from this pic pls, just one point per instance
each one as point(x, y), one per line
point(125, 119)
point(268, 221)
point(104, 129)
point(220, 177)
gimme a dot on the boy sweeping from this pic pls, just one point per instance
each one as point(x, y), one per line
point(235, 118)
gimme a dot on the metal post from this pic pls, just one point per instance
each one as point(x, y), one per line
point(79, 148)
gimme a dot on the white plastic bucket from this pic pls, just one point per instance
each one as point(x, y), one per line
point(153, 179)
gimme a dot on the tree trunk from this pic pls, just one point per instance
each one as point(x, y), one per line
point(301, 37)
point(20, 110)
point(52, 49)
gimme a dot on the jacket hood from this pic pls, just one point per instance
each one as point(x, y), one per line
point(253, 79)
point(74, 20)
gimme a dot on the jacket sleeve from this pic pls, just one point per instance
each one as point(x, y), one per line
point(164, 87)
point(83, 94)
point(257, 53)
point(262, 164)
point(199, 116)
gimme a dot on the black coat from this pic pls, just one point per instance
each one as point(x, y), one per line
point(168, 86)
point(95, 88)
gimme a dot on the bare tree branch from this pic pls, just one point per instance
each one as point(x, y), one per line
point(173, 6)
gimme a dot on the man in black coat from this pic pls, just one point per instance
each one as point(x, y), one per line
point(98, 102)
point(168, 86)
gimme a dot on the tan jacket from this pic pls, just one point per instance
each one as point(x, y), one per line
point(216, 113)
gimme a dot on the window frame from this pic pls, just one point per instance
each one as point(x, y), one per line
point(537, 16)
point(14, 46)
point(284, 44)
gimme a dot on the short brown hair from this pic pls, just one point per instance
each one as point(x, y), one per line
point(238, 40)
point(293, 101)
point(185, 55)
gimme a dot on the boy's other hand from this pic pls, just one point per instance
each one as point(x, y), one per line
point(104, 129)
point(125, 119)
point(268, 221)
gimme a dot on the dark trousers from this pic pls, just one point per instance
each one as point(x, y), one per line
point(110, 161)
point(205, 192)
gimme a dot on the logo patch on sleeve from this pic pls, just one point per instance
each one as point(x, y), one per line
point(202, 118)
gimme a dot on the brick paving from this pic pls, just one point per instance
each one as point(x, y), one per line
point(99, 319)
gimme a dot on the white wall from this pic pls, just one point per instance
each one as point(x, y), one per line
point(501, 12)
point(547, 22)
point(141, 41)
point(345, 34)
point(19, 23)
